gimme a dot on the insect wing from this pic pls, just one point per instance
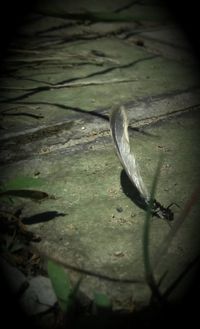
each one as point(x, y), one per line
point(119, 130)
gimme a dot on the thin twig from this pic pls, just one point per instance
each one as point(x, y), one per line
point(89, 272)
point(182, 275)
point(162, 249)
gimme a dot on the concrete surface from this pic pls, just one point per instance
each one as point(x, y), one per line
point(60, 80)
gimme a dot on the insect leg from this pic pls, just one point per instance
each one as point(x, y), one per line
point(173, 204)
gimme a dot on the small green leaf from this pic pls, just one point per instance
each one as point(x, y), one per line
point(22, 182)
point(61, 284)
point(101, 300)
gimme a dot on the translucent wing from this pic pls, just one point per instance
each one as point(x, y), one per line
point(119, 129)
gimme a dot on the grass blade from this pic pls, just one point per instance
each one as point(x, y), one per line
point(146, 231)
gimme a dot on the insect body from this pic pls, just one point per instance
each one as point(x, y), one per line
point(119, 130)
point(162, 212)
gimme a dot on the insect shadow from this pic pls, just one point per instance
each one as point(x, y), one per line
point(42, 217)
point(131, 191)
point(158, 210)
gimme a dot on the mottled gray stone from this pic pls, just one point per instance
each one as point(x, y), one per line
point(39, 296)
